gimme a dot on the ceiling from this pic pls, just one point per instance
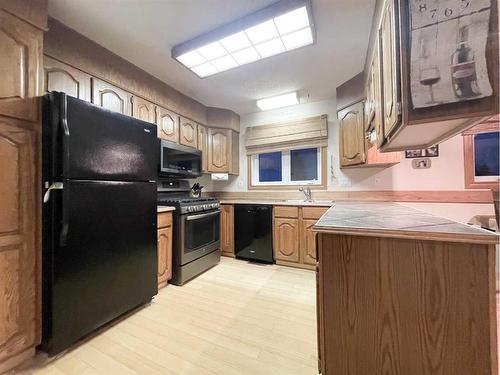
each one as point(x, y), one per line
point(144, 31)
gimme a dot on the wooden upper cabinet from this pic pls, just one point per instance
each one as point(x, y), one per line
point(286, 239)
point(227, 229)
point(168, 124)
point(389, 52)
point(64, 78)
point(202, 146)
point(143, 110)
point(352, 135)
point(111, 97)
point(188, 135)
point(377, 117)
point(223, 151)
point(20, 67)
point(19, 241)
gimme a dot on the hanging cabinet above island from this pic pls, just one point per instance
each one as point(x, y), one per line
point(424, 60)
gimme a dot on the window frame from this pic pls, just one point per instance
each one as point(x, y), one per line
point(489, 126)
point(252, 178)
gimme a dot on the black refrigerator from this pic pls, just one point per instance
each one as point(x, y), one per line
point(99, 255)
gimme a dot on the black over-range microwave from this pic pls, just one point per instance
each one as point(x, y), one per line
point(179, 161)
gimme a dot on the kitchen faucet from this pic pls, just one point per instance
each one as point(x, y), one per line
point(307, 193)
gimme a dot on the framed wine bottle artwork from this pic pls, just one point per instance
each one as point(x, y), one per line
point(448, 51)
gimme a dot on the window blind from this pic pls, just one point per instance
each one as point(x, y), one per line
point(303, 133)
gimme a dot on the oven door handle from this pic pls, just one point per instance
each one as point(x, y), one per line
point(201, 216)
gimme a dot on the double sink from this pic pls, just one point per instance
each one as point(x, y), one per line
point(305, 201)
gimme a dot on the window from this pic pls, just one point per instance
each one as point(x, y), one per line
point(287, 168)
point(481, 156)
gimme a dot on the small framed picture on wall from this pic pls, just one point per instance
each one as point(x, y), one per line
point(430, 152)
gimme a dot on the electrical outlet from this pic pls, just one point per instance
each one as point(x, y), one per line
point(240, 184)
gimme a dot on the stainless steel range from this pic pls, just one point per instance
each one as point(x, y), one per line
point(196, 228)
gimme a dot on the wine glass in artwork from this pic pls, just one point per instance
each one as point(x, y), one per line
point(429, 70)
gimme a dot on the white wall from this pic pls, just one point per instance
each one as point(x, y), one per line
point(446, 172)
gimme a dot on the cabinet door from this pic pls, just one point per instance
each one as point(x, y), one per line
point(20, 67)
point(164, 255)
point(286, 239)
point(308, 242)
point(188, 133)
point(378, 105)
point(227, 229)
point(168, 125)
point(370, 98)
point(110, 97)
point(202, 146)
point(352, 135)
point(218, 150)
point(143, 110)
point(390, 67)
point(19, 242)
point(64, 78)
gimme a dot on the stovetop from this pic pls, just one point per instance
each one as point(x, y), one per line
point(176, 193)
point(188, 205)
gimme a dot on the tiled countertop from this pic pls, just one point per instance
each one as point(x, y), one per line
point(277, 202)
point(394, 220)
point(165, 209)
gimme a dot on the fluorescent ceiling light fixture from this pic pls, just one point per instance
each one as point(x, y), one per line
point(297, 39)
point(262, 32)
point(212, 51)
point(191, 59)
point(291, 21)
point(236, 42)
point(204, 70)
point(280, 27)
point(279, 101)
point(271, 47)
point(224, 63)
point(246, 56)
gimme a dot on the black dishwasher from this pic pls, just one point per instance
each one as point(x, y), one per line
point(253, 232)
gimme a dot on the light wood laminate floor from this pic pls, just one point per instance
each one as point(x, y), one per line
point(237, 318)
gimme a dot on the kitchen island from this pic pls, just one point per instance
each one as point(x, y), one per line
point(401, 291)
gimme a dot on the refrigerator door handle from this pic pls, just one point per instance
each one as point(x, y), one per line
point(53, 186)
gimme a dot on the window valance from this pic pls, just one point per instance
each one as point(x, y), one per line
point(303, 133)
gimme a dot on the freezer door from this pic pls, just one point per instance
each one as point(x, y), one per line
point(83, 141)
point(99, 256)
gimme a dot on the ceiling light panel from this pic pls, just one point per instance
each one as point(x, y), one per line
point(281, 27)
point(236, 42)
point(204, 70)
point(262, 32)
point(292, 21)
point(224, 63)
point(270, 48)
point(212, 51)
point(191, 59)
point(246, 56)
point(297, 39)
point(278, 101)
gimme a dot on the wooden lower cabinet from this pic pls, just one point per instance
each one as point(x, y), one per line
point(227, 230)
point(405, 306)
point(294, 239)
point(20, 246)
point(164, 248)
point(308, 242)
point(286, 239)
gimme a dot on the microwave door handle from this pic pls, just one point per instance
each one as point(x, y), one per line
point(201, 216)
